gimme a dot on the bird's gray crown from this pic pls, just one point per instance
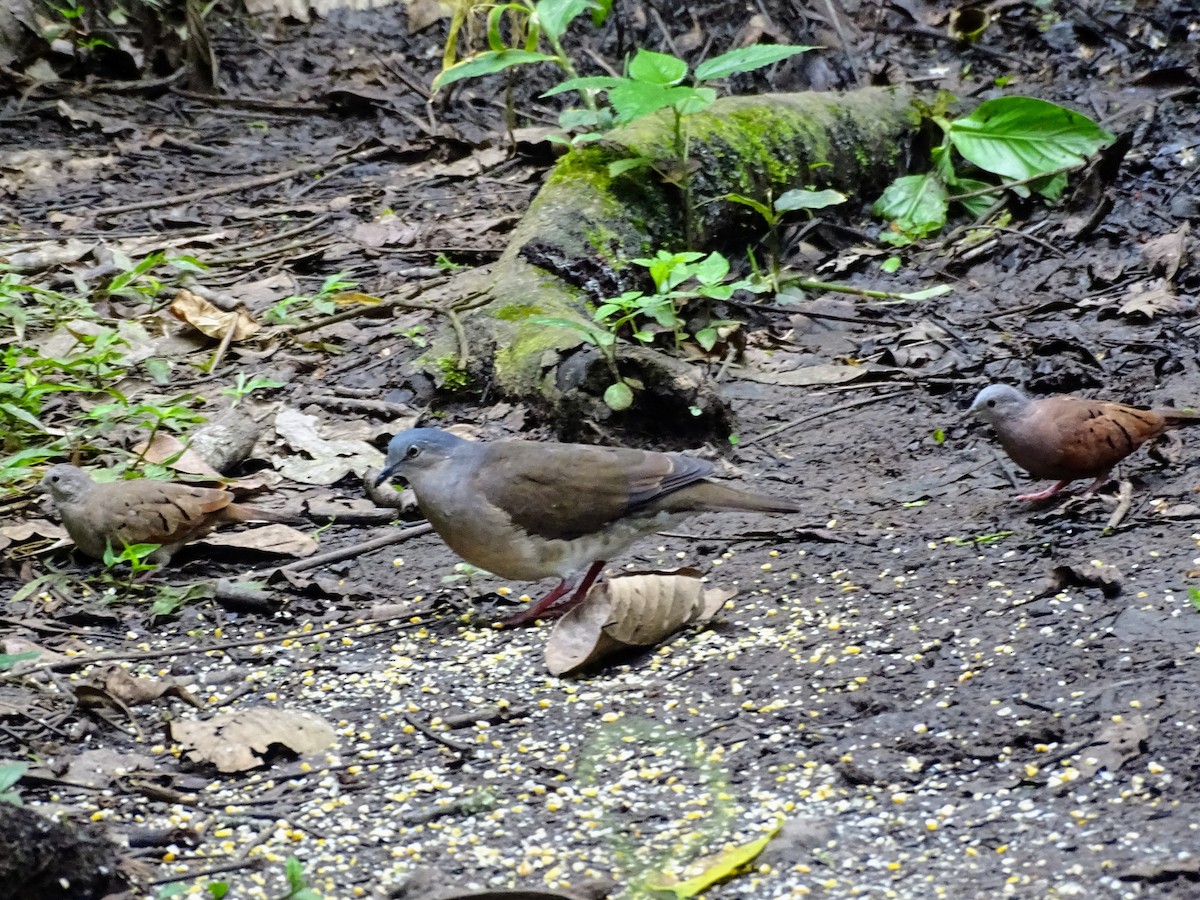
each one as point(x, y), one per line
point(999, 402)
point(66, 482)
point(418, 447)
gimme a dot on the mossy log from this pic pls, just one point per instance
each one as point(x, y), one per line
point(574, 242)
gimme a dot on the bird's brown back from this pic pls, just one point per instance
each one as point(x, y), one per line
point(1073, 437)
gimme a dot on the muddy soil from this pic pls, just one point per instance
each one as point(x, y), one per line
point(934, 689)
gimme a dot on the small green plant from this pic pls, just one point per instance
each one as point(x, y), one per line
point(446, 264)
point(136, 282)
point(773, 213)
point(10, 774)
point(1194, 597)
point(322, 301)
point(416, 334)
point(1032, 142)
point(298, 888)
point(679, 279)
point(136, 555)
point(244, 387)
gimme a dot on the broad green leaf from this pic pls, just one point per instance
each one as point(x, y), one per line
point(657, 68)
point(1020, 137)
point(711, 269)
point(916, 204)
point(588, 83)
point(694, 100)
point(747, 59)
point(706, 337)
point(488, 63)
point(555, 15)
point(618, 397)
point(980, 203)
point(584, 118)
point(1050, 187)
point(621, 166)
point(802, 199)
point(635, 99)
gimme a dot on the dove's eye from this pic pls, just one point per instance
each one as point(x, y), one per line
point(992, 404)
point(413, 452)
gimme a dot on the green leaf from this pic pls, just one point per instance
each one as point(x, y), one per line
point(618, 397)
point(555, 15)
point(21, 415)
point(761, 208)
point(747, 59)
point(916, 204)
point(8, 660)
point(927, 294)
point(621, 166)
point(706, 337)
point(712, 269)
point(635, 99)
point(657, 68)
point(600, 12)
point(488, 63)
point(980, 203)
point(1020, 137)
point(218, 889)
point(10, 774)
point(802, 199)
point(693, 100)
point(588, 83)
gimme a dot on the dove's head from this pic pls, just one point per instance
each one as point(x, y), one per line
point(419, 450)
point(66, 483)
point(997, 404)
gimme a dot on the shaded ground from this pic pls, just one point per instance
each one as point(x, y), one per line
point(898, 679)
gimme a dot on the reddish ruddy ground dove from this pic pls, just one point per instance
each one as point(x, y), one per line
point(140, 511)
point(1065, 438)
point(526, 510)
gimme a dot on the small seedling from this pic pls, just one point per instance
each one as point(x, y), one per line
point(10, 774)
point(244, 387)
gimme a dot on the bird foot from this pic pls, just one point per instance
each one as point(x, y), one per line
point(1046, 494)
point(552, 605)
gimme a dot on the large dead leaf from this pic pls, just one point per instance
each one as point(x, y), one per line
point(29, 530)
point(276, 538)
point(210, 320)
point(235, 742)
point(1166, 252)
point(1115, 745)
point(329, 460)
point(629, 611)
point(1150, 299)
point(133, 690)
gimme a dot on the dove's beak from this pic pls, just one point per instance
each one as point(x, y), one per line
point(385, 475)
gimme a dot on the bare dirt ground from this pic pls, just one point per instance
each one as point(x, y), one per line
point(938, 690)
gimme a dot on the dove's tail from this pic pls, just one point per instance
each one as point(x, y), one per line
point(244, 512)
point(711, 496)
point(1179, 418)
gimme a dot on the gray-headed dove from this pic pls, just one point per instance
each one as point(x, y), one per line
point(140, 511)
point(527, 510)
point(1065, 438)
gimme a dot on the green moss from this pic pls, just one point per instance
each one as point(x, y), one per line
point(516, 312)
point(516, 357)
point(454, 377)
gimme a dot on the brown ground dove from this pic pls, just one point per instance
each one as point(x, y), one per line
point(1065, 438)
point(527, 510)
point(140, 511)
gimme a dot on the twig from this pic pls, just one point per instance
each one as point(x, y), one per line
point(255, 863)
point(226, 340)
point(456, 746)
point(1124, 501)
point(779, 429)
point(234, 187)
point(333, 556)
point(76, 662)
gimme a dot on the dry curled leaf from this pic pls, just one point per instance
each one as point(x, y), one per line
point(635, 610)
point(210, 320)
point(235, 742)
point(132, 690)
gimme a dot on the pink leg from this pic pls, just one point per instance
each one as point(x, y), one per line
point(541, 609)
point(1096, 485)
point(1047, 493)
